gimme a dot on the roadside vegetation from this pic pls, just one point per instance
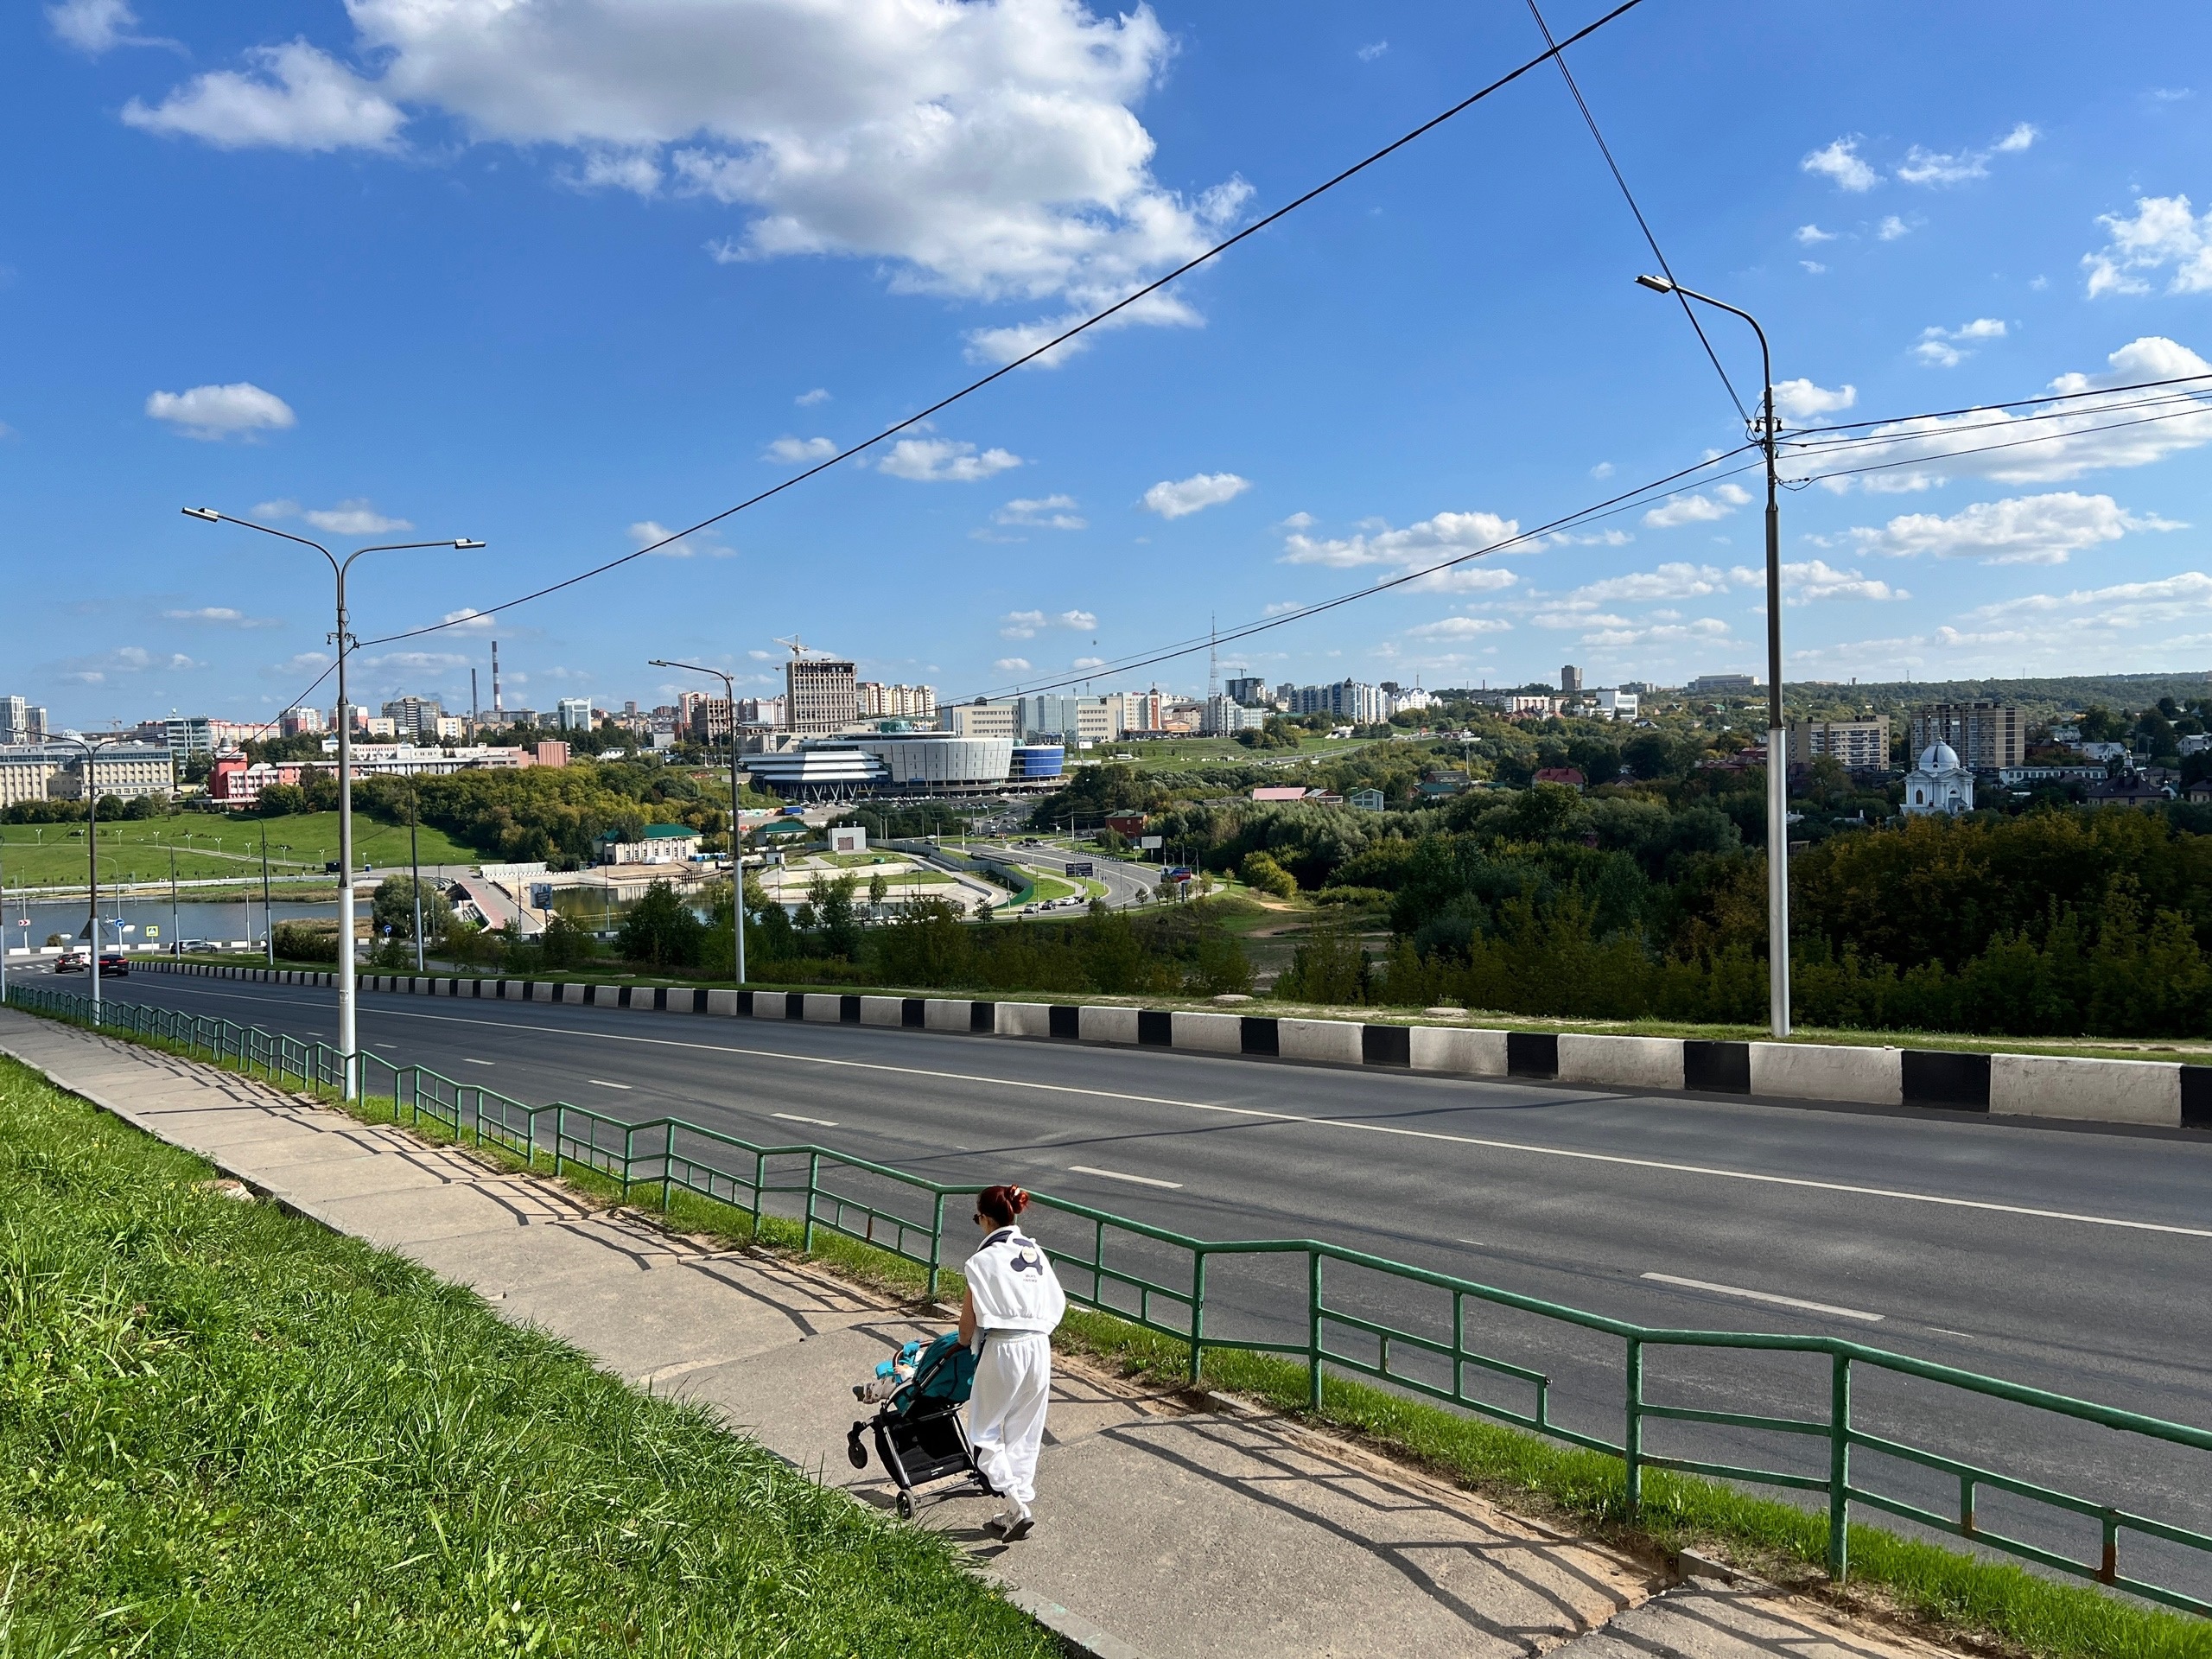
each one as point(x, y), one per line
point(224, 1430)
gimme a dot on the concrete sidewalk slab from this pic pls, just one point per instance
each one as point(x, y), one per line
point(1164, 1529)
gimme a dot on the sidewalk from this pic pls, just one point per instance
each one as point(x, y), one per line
point(1162, 1530)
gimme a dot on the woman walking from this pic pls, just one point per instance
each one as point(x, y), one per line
point(1013, 1302)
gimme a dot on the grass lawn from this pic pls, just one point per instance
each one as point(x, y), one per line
point(37, 854)
point(1187, 752)
point(224, 1431)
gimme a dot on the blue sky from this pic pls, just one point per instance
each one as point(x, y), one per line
point(552, 273)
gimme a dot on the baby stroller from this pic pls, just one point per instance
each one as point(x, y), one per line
point(919, 1433)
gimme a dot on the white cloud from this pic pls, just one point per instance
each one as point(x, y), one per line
point(1195, 493)
point(1815, 580)
point(1569, 617)
point(2164, 231)
point(941, 460)
point(762, 655)
point(1012, 666)
point(1698, 508)
point(1088, 662)
point(1916, 454)
point(97, 26)
point(1043, 512)
point(648, 531)
point(2023, 530)
point(989, 151)
point(798, 449)
point(1705, 628)
point(1927, 167)
point(1459, 627)
point(353, 517)
point(124, 659)
point(299, 99)
point(1891, 228)
point(221, 615)
point(808, 399)
point(212, 412)
point(1801, 400)
point(1840, 163)
point(1814, 267)
point(1373, 50)
point(1026, 625)
point(1813, 235)
point(1603, 469)
point(1940, 347)
point(469, 619)
point(1675, 580)
point(1448, 535)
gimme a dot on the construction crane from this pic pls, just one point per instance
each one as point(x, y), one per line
point(798, 649)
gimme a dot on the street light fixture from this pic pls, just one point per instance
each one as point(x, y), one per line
point(1777, 756)
point(347, 999)
point(736, 840)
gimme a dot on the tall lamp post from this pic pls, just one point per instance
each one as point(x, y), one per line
point(348, 1052)
point(736, 841)
point(92, 858)
point(1778, 753)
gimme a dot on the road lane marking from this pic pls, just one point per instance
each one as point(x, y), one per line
point(604, 1084)
point(1711, 1172)
point(1116, 1175)
point(1766, 1296)
point(466, 1061)
point(793, 1117)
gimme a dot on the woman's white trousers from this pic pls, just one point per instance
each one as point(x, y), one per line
point(1006, 1412)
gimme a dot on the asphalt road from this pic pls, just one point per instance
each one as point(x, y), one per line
point(2071, 1261)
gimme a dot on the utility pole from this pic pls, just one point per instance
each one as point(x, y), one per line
point(1777, 736)
point(414, 864)
point(268, 910)
point(176, 938)
point(736, 837)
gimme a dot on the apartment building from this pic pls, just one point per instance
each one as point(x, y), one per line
point(877, 701)
point(21, 722)
point(1986, 736)
point(982, 719)
point(1861, 745)
point(820, 695)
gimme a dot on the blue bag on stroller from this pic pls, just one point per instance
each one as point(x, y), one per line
point(918, 1431)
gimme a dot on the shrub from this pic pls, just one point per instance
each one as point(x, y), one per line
point(1262, 875)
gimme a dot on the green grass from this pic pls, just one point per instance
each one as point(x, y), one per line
point(54, 854)
point(1947, 1590)
point(226, 1431)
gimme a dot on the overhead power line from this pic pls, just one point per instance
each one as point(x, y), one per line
point(1689, 312)
point(1504, 81)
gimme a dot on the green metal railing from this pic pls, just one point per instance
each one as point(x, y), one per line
point(665, 1156)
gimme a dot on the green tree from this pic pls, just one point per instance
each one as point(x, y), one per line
point(661, 930)
point(1262, 875)
point(391, 911)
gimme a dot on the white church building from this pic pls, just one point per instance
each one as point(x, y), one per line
point(1938, 784)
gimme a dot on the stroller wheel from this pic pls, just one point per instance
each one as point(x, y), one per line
point(855, 1453)
point(906, 1507)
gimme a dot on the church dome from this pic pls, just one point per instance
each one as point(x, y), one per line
point(1939, 757)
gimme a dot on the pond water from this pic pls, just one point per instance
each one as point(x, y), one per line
point(234, 919)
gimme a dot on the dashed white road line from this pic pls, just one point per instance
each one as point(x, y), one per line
point(466, 1061)
point(604, 1084)
point(1116, 1175)
point(819, 1122)
point(1766, 1296)
point(1758, 1178)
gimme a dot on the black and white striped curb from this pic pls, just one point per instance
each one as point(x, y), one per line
point(2154, 1093)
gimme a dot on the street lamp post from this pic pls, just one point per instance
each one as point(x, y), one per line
point(268, 922)
point(415, 865)
point(92, 860)
point(736, 841)
point(349, 1056)
point(1778, 752)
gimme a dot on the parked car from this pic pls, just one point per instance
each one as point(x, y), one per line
point(73, 962)
point(114, 964)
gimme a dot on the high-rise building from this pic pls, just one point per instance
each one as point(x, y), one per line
point(1570, 679)
point(16, 722)
point(1986, 736)
point(1143, 711)
point(1225, 716)
point(1250, 690)
point(1001, 719)
point(300, 722)
point(819, 694)
point(574, 714)
point(874, 700)
point(1861, 745)
point(1086, 719)
point(1346, 700)
point(415, 717)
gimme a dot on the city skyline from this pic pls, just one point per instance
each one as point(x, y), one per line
point(386, 325)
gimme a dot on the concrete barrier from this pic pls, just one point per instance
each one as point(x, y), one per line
point(881, 1010)
point(722, 1003)
point(1872, 1076)
point(823, 1010)
point(1465, 1051)
point(1025, 1020)
point(947, 1013)
point(1333, 1041)
point(1207, 1033)
point(1107, 1025)
point(2113, 1092)
point(1621, 1062)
